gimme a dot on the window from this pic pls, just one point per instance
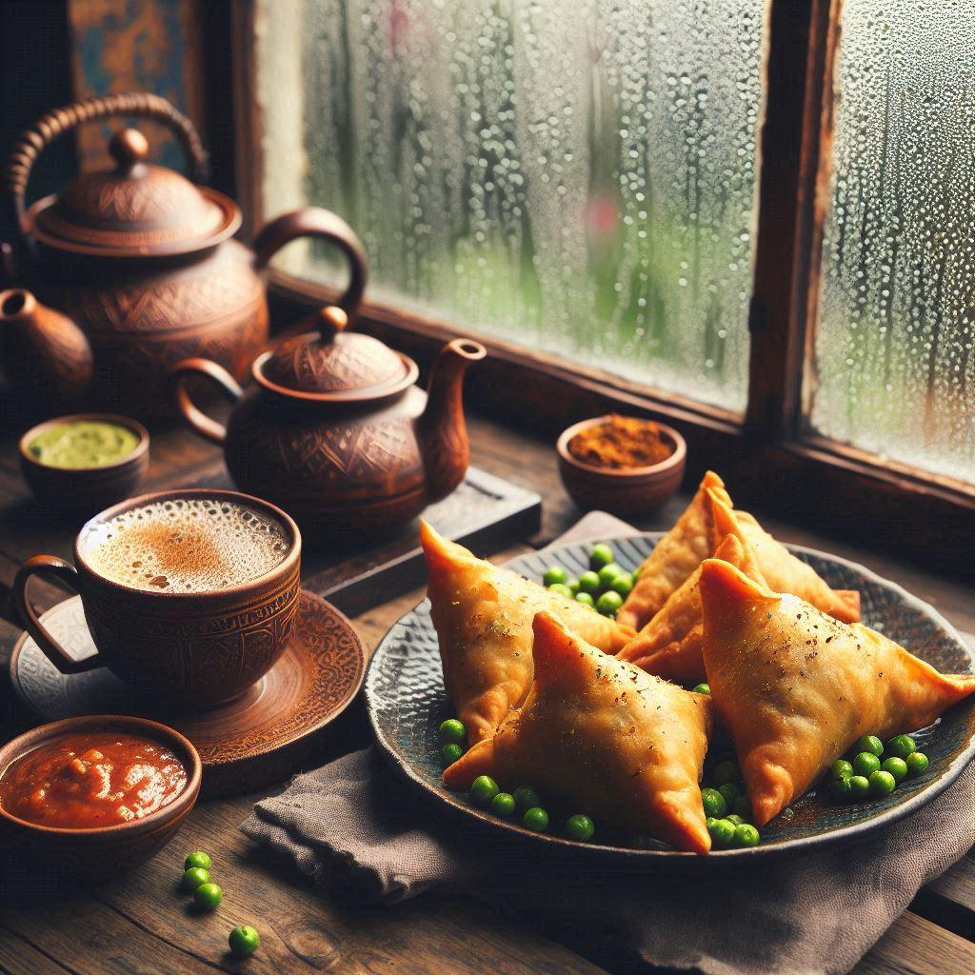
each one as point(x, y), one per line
point(584, 180)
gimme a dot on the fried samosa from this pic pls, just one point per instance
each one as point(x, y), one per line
point(603, 736)
point(690, 541)
point(796, 687)
point(483, 615)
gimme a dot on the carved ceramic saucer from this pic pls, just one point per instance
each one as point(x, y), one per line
point(253, 740)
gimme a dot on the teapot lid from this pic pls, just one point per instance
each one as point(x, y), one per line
point(332, 364)
point(134, 210)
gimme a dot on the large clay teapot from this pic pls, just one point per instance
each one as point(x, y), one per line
point(140, 259)
point(333, 429)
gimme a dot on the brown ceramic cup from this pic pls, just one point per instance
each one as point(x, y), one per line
point(198, 648)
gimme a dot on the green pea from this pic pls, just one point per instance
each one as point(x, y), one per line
point(585, 598)
point(746, 836)
point(609, 602)
point(589, 582)
point(722, 832)
point(208, 895)
point(866, 763)
point(742, 806)
point(881, 783)
point(574, 584)
point(452, 731)
point(503, 804)
point(713, 803)
point(726, 772)
point(197, 859)
point(555, 575)
point(579, 827)
point(560, 588)
point(869, 744)
point(841, 769)
point(622, 584)
point(729, 792)
point(451, 753)
point(917, 763)
point(526, 798)
point(735, 819)
point(483, 790)
point(898, 768)
point(608, 574)
point(243, 941)
point(703, 688)
point(859, 788)
point(600, 556)
point(841, 790)
point(900, 746)
point(193, 877)
point(536, 819)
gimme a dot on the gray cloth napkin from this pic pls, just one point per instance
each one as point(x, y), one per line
point(352, 827)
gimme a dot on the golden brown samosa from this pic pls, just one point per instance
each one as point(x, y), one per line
point(483, 615)
point(796, 687)
point(690, 541)
point(623, 746)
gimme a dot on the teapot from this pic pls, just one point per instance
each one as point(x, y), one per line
point(333, 428)
point(140, 263)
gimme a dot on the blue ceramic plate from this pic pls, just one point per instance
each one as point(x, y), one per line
point(407, 701)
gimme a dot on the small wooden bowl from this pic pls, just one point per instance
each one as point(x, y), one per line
point(89, 489)
point(622, 491)
point(98, 851)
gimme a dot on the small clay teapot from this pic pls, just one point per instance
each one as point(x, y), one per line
point(333, 429)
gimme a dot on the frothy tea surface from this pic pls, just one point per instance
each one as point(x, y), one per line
point(186, 545)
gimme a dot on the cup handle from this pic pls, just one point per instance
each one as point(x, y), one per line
point(56, 655)
point(205, 426)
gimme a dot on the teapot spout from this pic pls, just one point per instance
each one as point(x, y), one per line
point(441, 429)
point(44, 353)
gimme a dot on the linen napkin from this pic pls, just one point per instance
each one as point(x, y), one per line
point(353, 828)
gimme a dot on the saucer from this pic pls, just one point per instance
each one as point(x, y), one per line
point(255, 739)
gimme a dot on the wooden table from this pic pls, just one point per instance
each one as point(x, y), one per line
point(137, 923)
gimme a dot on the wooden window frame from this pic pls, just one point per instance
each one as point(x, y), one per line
point(765, 452)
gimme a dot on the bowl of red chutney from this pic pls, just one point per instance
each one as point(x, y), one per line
point(96, 794)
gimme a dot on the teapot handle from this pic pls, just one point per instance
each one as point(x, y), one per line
point(43, 132)
point(196, 419)
point(324, 224)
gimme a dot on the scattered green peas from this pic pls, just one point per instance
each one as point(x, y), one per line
point(197, 859)
point(585, 598)
point(898, 768)
point(452, 731)
point(560, 588)
point(208, 895)
point(526, 798)
point(726, 772)
point(841, 790)
point(841, 769)
point(555, 575)
point(703, 688)
point(536, 819)
point(735, 819)
point(608, 574)
point(900, 746)
point(713, 803)
point(589, 582)
point(451, 753)
point(881, 783)
point(869, 744)
point(483, 790)
point(917, 763)
point(503, 804)
point(600, 556)
point(729, 792)
point(866, 763)
point(579, 827)
point(193, 877)
point(742, 806)
point(609, 602)
point(859, 787)
point(243, 941)
point(722, 832)
point(574, 584)
point(746, 836)
point(622, 584)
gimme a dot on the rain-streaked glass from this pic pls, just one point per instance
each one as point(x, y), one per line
point(894, 370)
point(577, 177)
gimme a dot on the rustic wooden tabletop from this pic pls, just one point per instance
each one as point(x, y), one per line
point(135, 923)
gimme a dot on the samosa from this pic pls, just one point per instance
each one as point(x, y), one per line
point(610, 740)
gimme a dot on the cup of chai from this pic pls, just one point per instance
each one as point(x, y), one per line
point(190, 594)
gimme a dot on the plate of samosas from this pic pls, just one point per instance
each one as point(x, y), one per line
point(738, 698)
